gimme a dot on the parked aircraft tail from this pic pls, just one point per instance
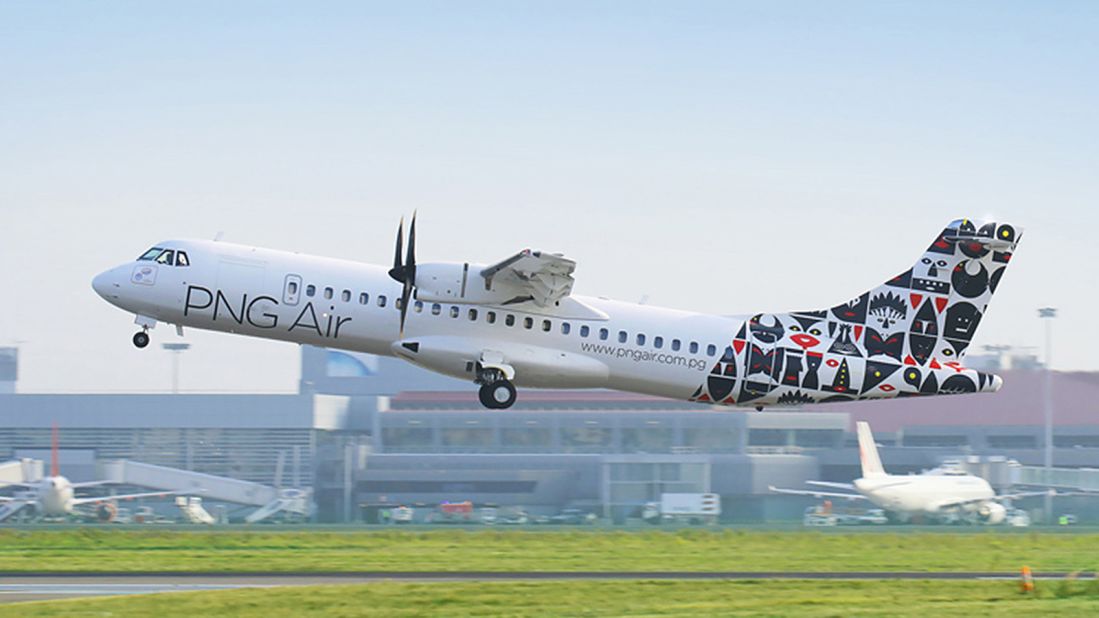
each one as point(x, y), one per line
point(868, 451)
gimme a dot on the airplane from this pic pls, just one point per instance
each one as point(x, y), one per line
point(55, 496)
point(516, 322)
point(942, 494)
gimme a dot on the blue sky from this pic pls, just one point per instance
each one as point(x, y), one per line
point(727, 157)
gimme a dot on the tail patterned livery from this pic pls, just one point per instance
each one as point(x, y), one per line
point(904, 338)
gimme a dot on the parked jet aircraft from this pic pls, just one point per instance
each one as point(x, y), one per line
point(939, 494)
point(55, 495)
point(516, 322)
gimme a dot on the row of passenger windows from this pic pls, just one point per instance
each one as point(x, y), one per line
point(585, 331)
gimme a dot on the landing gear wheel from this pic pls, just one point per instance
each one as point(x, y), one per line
point(141, 339)
point(497, 395)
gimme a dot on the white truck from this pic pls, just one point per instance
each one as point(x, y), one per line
point(695, 509)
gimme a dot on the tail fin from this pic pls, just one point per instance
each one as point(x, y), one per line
point(932, 310)
point(55, 469)
point(868, 451)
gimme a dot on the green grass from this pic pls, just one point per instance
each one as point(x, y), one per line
point(98, 549)
point(609, 598)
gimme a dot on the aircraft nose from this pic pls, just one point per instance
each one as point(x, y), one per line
point(107, 284)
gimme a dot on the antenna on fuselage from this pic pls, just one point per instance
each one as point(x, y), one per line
point(219, 236)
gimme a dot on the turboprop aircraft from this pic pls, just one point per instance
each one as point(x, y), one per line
point(55, 495)
point(939, 494)
point(516, 322)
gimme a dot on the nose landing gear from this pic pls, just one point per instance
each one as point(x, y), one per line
point(141, 339)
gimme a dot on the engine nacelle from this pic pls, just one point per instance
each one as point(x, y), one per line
point(992, 513)
point(106, 512)
point(452, 282)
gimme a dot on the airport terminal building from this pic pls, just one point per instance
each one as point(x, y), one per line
point(366, 432)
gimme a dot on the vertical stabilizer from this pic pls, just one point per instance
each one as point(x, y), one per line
point(868, 451)
point(55, 469)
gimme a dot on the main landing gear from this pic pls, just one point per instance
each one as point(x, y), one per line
point(141, 339)
point(497, 395)
point(497, 392)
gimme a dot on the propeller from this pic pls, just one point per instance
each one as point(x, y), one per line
point(405, 272)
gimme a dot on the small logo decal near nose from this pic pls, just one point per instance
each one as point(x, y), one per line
point(144, 275)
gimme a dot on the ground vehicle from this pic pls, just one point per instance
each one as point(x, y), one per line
point(452, 513)
point(573, 517)
point(401, 515)
point(690, 508)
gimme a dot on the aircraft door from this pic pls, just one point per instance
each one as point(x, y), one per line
point(291, 290)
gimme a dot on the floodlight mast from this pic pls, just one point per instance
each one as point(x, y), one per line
point(1048, 314)
point(176, 349)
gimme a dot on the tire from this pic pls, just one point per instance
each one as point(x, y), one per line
point(141, 339)
point(498, 395)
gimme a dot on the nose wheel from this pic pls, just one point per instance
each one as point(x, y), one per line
point(497, 395)
point(141, 339)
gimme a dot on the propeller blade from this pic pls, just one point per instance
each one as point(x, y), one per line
point(397, 272)
point(406, 296)
point(410, 260)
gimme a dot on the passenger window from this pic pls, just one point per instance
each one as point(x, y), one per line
point(622, 336)
point(658, 342)
point(328, 293)
point(182, 259)
point(166, 257)
point(418, 307)
point(381, 300)
point(292, 288)
point(584, 330)
point(490, 317)
point(694, 347)
point(528, 323)
point(454, 311)
point(436, 309)
point(150, 254)
point(711, 350)
point(565, 328)
point(364, 298)
point(472, 315)
point(675, 345)
point(546, 326)
point(510, 320)
point(310, 290)
point(640, 339)
point(603, 333)
point(346, 296)
point(397, 303)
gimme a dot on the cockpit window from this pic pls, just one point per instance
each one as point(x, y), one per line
point(166, 257)
point(182, 259)
point(151, 254)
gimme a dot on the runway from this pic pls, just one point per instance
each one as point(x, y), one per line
point(40, 586)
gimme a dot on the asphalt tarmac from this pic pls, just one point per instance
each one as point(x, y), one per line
point(40, 586)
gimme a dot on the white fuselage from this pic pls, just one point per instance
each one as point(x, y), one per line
point(925, 494)
point(352, 306)
point(53, 496)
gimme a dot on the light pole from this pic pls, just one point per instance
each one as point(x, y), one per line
point(1048, 314)
point(176, 349)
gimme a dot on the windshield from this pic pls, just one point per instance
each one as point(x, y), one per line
point(151, 254)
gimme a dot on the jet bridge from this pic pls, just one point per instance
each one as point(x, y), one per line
point(20, 471)
point(272, 501)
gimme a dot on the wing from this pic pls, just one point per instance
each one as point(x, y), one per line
point(543, 278)
point(999, 498)
point(99, 499)
point(92, 484)
point(816, 494)
point(848, 486)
